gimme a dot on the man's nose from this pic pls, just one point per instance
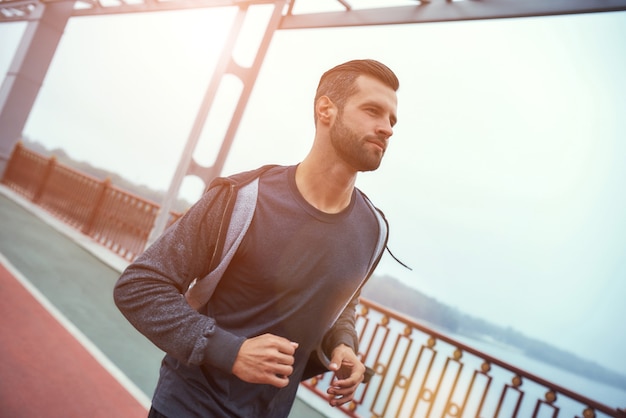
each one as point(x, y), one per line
point(384, 130)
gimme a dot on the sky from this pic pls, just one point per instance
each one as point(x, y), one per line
point(503, 183)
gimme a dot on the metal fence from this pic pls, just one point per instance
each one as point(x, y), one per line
point(418, 372)
point(119, 220)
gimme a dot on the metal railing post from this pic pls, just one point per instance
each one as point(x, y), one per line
point(41, 189)
point(97, 205)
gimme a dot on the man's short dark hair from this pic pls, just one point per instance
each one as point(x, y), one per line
point(339, 83)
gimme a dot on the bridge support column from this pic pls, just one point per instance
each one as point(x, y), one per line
point(227, 65)
point(28, 70)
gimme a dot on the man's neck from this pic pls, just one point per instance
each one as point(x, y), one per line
point(327, 187)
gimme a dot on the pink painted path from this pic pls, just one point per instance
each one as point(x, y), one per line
point(45, 371)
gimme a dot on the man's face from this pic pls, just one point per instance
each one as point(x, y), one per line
point(361, 131)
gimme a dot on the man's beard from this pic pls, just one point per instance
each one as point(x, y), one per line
point(351, 148)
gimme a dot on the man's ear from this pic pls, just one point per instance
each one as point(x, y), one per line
point(325, 109)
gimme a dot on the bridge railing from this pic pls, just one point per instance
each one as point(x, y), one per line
point(117, 219)
point(418, 372)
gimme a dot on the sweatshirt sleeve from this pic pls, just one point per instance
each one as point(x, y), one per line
point(343, 331)
point(149, 293)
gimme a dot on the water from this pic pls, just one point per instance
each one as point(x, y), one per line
point(609, 395)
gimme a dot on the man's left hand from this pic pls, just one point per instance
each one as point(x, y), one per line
point(349, 373)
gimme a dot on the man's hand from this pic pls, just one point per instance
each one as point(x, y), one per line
point(265, 359)
point(349, 372)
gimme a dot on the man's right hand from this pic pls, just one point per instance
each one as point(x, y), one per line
point(266, 359)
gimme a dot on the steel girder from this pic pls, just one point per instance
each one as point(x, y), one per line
point(187, 165)
point(442, 11)
point(401, 13)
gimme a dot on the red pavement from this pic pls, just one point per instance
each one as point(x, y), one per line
point(45, 371)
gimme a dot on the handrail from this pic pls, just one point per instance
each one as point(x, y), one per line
point(412, 380)
point(115, 218)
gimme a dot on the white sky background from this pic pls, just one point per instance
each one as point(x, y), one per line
point(503, 183)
